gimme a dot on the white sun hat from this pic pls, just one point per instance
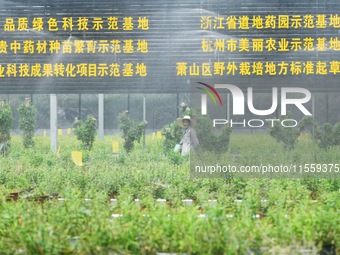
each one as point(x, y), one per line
point(186, 117)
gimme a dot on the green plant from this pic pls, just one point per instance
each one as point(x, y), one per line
point(210, 141)
point(336, 132)
point(172, 134)
point(5, 127)
point(185, 110)
point(326, 136)
point(73, 225)
point(176, 158)
point(27, 117)
point(86, 131)
point(132, 130)
point(289, 135)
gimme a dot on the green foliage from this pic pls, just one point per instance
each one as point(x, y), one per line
point(324, 136)
point(209, 140)
point(327, 136)
point(5, 128)
point(289, 135)
point(185, 110)
point(27, 118)
point(86, 131)
point(286, 214)
point(306, 124)
point(132, 130)
point(176, 158)
point(336, 132)
point(172, 135)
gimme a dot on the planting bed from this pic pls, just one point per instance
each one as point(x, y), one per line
point(142, 203)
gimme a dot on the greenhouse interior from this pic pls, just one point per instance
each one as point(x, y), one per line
point(170, 127)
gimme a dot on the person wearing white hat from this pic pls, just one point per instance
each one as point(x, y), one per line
point(189, 139)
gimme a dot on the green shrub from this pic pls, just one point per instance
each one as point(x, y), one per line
point(172, 135)
point(176, 158)
point(289, 135)
point(336, 132)
point(327, 136)
point(5, 127)
point(132, 130)
point(27, 118)
point(209, 140)
point(86, 131)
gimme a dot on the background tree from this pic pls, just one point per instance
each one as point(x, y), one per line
point(86, 131)
point(132, 130)
point(27, 121)
point(5, 127)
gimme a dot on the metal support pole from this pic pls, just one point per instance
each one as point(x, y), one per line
point(144, 118)
point(228, 106)
point(79, 107)
point(153, 113)
point(313, 114)
point(177, 106)
point(53, 122)
point(101, 117)
point(327, 105)
point(128, 103)
point(278, 108)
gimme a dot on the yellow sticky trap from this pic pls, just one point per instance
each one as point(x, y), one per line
point(68, 131)
point(307, 137)
point(159, 135)
point(44, 133)
point(115, 147)
point(77, 158)
point(60, 132)
point(153, 136)
point(58, 152)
